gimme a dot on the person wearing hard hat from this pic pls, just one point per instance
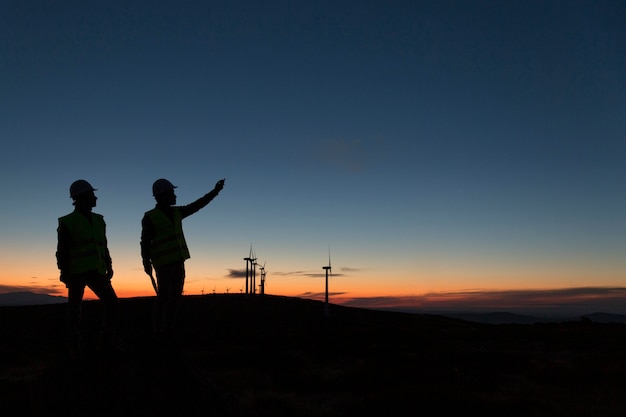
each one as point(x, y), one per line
point(84, 261)
point(163, 248)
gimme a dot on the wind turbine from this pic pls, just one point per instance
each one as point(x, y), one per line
point(328, 270)
point(263, 273)
point(253, 283)
point(248, 261)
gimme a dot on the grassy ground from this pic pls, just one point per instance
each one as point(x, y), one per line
point(269, 356)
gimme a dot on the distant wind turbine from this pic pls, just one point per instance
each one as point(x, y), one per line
point(328, 270)
point(263, 273)
point(248, 261)
point(253, 284)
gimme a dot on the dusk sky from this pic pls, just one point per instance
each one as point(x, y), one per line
point(447, 152)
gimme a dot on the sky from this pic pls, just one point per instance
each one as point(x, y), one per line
point(444, 153)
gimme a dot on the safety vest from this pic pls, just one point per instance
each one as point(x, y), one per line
point(88, 242)
point(168, 244)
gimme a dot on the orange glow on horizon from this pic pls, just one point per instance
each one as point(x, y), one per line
point(379, 288)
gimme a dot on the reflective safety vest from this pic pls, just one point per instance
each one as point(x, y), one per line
point(88, 245)
point(168, 244)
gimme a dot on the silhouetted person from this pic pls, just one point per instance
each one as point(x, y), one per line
point(163, 247)
point(84, 261)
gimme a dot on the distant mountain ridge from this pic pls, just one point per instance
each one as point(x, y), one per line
point(504, 317)
point(512, 318)
point(25, 298)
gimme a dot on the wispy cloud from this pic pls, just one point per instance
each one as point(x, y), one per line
point(570, 300)
point(306, 274)
point(352, 155)
point(319, 295)
point(289, 273)
point(236, 273)
point(35, 289)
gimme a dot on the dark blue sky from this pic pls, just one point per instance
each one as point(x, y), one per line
point(435, 146)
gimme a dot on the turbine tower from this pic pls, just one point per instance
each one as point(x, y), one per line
point(254, 263)
point(328, 270)
point(263, 273)
point(248, 261)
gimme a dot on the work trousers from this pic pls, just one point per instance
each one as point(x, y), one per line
point(170, 282)
point(102, 288)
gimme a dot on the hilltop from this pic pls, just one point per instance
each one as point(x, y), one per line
point(25, 298)
point(271, 355)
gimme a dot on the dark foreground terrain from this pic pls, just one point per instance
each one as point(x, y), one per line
point(272, 356)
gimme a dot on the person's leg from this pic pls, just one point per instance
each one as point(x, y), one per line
point(102, 288)
point(178, 284)
point(171, 279)
point(162, 301)
point(75, 292)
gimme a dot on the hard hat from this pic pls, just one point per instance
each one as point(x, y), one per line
point(161, 185)
point(79, 187)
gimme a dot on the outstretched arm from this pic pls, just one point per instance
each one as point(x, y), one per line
point(203, 201)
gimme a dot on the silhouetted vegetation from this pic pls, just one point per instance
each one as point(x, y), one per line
point(238, 355)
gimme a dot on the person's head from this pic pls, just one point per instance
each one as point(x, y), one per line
point(83, 194)
point(163, 192)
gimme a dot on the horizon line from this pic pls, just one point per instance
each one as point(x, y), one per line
point(588, 299)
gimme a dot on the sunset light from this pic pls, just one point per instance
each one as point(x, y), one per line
point(451, 155)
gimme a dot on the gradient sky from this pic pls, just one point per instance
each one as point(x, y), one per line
point(438, 148)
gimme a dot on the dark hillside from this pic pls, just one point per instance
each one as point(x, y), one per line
point(270, 356)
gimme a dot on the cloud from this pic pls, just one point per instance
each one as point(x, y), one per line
point(236, 273)
point(316, 295)
point(581, 300)
point(352, 155)
point(279, 273)
point(306, 274)
point(53, 290)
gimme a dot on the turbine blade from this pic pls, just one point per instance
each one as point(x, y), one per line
point(329, 255)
